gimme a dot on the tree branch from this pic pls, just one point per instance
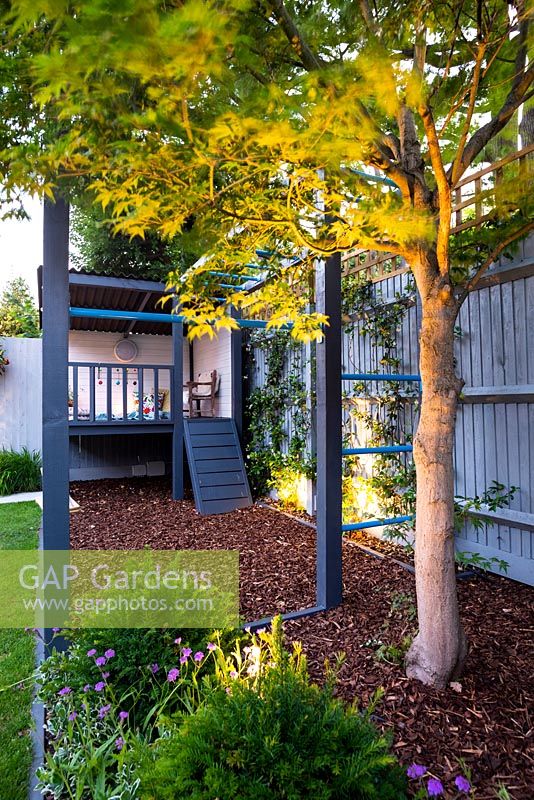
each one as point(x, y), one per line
point(381, 154)
point(523, 79)
point(520, 233)
point(475, 83)
point(310, 60)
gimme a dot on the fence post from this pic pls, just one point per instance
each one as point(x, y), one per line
point(177, 410)
point(329, 438)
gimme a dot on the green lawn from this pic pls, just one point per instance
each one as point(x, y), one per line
point(19, 523)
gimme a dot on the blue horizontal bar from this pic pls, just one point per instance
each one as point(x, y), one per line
point(374, 178)
point(260, 323)
point(107, 313)
point(145, 316)
point(376, 523)
point(234, 275)
point(393, 448)
point(370, 376)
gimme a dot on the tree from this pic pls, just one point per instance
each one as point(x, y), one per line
point(98, 249)
point(255, 119)
point(18, 312)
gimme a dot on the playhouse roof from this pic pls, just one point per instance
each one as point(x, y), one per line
point(91, 290)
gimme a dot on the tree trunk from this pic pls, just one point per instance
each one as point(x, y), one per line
point(440, 647)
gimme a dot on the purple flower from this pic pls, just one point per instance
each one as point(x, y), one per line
point(91, 652)
point(178, 640)
point(105, 675)
point(101, 661)
point(415, 771)
point(154, 668)
point(103, 712)
point(462, 784)
point(186, 652)
point(172, 675)
point(56, 630)
point(86, 687)
point(211, 646)
point(233, 673)
point(199, 655)
point(99, 686)
point(183, 659)
point(123, 715)
point(434, 787)
point(66, 690)
point(110, 653)
point(72, 716)
point(119, 743)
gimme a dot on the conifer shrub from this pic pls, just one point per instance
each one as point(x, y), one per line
point(268, 733)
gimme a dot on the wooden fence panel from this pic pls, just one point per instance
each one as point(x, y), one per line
point(20, 395)
point(495, 427)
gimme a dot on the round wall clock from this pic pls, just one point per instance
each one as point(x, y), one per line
point(125, 351)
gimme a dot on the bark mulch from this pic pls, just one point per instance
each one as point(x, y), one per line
point(487, 719)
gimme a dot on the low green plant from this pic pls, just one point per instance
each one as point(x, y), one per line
point(20, 471)
point(19, 523)
point(269, 733)
point(92, 728)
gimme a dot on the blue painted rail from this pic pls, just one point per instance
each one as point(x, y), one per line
point(144, 316)
point(389, 448)
point(376, 523)
point(370, 376)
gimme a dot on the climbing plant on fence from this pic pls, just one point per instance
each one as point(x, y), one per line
point(277, 453)
point(377, 414)
point(380, 414)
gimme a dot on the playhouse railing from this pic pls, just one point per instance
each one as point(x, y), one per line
point(118, 394)
point(475, 199)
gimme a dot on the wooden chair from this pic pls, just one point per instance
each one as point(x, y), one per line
point(204, 389)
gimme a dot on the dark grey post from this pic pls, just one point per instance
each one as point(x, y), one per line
point(177, 411)
point(55, 316)
point(236, 360)
point(329, 437)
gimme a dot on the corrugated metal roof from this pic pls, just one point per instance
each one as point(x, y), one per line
point(121, 298)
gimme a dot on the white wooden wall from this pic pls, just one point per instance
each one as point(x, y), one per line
point(210, 354)
point(93, 346)
point(20, 395)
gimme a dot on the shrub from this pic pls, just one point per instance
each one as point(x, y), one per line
point(19, 471)
point(269, 733)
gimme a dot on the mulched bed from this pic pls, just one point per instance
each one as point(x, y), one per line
point(487, 720)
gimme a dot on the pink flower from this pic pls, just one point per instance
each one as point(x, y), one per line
point(172, 675)
point(211, 646)
point(199, 656)
point(233, 673)
point(178, 640)
point(186, 652)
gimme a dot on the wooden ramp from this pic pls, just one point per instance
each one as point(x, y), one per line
point(216, 465)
